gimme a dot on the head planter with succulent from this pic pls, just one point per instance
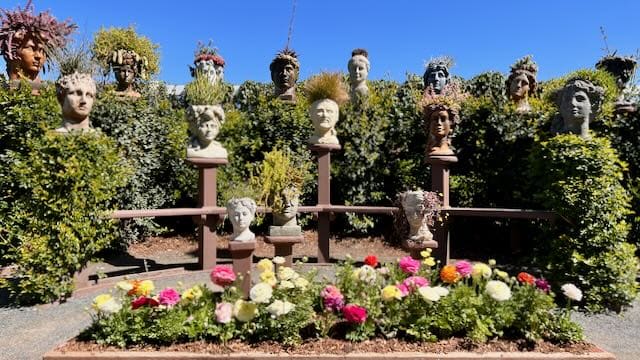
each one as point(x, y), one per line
point(123, 58)
point(524, 66)
point(206, 53)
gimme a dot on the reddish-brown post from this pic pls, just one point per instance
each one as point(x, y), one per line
point(284, 246)
point(242, 255)
point(440, 184)
point(323, 152)
point(207, 194)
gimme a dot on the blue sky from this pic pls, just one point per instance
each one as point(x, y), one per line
point(562, 35)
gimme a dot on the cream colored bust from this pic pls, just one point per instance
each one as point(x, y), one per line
point(414, 210)
point(358, 71)
point(205, 122)
point(241, 212)
point(324, 115)
point(76, 94)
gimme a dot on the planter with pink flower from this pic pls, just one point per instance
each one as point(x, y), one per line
point(411, 305)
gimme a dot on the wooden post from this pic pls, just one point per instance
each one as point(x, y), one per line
point(207, 196)
point(242, 255)
point(284, 246)
point(440, 184)
point(323, 152)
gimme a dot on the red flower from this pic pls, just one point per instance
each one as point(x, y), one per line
point(354, 314)
point(526, 278)
point(371, 260)
point(143, 301)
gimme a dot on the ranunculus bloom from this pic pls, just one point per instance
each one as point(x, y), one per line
point(268, 277)
point(261, 293)
point(279, 308)
point(366, 273)
point(286, 284)
point(526, 278)
point(245, 311)
point(143, 301)
point(224, 311)
point(333, 299)
point(124, 285)
point(442, 291)
point(449, 274)
point(193, 293)
point(498, 290)
point(409, 265)
point(287, 273)
point(279, 260)
point(223, 275)
point(168, 297)
point(391, 292)
point(480, 271)
point(571, 291)
point(429, 293)
point(354, 314)
point(144, 287)
point(543, 285)
point(301, 283)
point(105, 303)
point(264, 265)
point(371, 260)
point(464, 268)
point(414, 282)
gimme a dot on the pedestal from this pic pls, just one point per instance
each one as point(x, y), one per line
point(207, 195)
point(242, 255)
point(440, 184)
point(284, 246)
point(323, 152)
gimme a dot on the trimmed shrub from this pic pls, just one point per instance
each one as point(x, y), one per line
point(54, 199)
point(580, 179)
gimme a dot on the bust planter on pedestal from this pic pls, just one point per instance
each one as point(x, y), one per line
point(522, 83)
point(242, 244)
point(420, 208)
point(127, 67)
point(578, 101)
point(284, 70)
point(208, 63)
point(359, 66)
point(436, 75)
point(326, 93)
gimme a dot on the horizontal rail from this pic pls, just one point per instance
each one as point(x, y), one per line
point(130, 214)
point(501, 213)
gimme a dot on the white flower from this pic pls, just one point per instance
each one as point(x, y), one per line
point(287, 273)
point(279, 260)
point(429, 293)
point(572, 292)
point(498, 290)
point(261, 293)
point(384, 271)
point(279, 308)
point(244, 311)
point(301, 283)
point(442, 291)
point(367, 274)
point(124, 285)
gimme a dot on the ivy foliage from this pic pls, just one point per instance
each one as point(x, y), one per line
point(581, 180)
point(54, 202)
point(152, 137)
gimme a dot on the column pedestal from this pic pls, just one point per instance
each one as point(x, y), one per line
point(242, 255)
point(284, 246)
point(440, 184)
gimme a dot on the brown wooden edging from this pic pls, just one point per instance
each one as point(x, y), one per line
point(123, 355)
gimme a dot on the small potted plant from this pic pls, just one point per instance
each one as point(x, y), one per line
point(205, 117)
point(326, 93)
point(280, 180)
point(207, 61)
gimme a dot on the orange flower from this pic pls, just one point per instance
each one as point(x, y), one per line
point(526, 278)
point(449, 274)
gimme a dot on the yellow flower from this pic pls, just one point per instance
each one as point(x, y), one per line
point(145, 287)
point(264, 265)
point(480, 270)
point(124, 285)
point(287, 273)
point(245, 311)
point(106, 303)
point(99, 300)
point(492, 262)
point(268, 277)
point(301, 283)
point(425, 253)
point(391, 292)
point(193, 293)
point(429, 261)
point(286, 284)
point(501, 274)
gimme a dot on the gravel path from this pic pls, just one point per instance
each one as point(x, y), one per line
point(27, 333)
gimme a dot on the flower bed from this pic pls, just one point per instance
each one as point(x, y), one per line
point(411, 302)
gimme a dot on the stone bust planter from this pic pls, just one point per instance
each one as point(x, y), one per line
point(205, 122)
point(324, 115)
point(241, 212)
point(285, 221)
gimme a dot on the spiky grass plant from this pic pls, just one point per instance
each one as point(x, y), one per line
point(201, 91)
point(74, 58)
point(327, 86)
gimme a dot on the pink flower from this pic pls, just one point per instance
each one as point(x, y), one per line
point(414, 282)
point(354, 314)
point(464, 268)
point(224, 311)
point(543, 285)
point(223, 275)
point(333, 299)
point(404, 289)
point(168, 297)
point(409, 265)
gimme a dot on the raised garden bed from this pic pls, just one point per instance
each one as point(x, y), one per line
point(333, 349)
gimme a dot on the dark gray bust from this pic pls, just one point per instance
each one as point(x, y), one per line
point(578, 101)
point(436, 74)
point(284, 74)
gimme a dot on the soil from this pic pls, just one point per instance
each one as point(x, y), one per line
point(340, 347)
point(357, 247)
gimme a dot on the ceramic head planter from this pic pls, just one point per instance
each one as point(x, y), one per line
point(622, 68)
point(27, 40)
point(358, 71)
point(241, 212)
point(436, 75)
point(205, 122)
point(75, 93)
point(127, 67)
point(326, 93)
point(208, 63)
point(579, 101)
point(441, 115)
point(522, 83)
point(285, 69)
